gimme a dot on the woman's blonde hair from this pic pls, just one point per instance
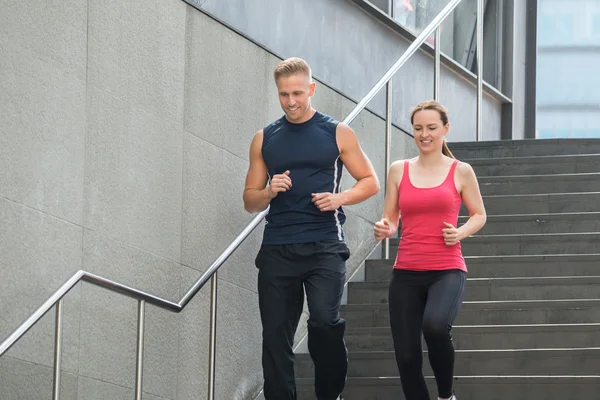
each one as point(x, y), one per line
point(433, 105)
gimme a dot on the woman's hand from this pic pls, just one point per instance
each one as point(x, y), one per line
point(382, 229)
point(451, 234)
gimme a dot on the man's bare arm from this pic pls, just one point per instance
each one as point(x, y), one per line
point(358, 165)
point(257, 195)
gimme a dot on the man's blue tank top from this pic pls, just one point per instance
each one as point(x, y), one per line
point(310, 152)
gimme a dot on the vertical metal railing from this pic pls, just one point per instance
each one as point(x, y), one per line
point(388, 131)
point(58, 345)
point(437, 44)
point(139, 365)
point(212, 349)
point(479, 35)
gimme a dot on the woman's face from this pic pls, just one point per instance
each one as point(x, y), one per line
point(429, 131)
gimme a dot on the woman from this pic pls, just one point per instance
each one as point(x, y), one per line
point(428, 283)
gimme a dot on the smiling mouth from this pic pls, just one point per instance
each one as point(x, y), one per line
point(426, 141)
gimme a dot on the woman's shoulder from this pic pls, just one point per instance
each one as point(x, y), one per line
point(464, 168)
point(397, 167)
point(396, 171)
point(398, 164)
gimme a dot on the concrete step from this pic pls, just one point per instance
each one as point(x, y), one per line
point(535, 184)
point(541, 165)
point(539, 223)
point(540, 203)
point(471, 388)
point(551, 243)
point(496, 289)
point(524, 148)
point(576, 222)
point(489, 313)
point(506, 266)
point(474, 362)
point(480, 337)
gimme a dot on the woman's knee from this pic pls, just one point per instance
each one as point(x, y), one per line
point(409, 359)
point(436, 329)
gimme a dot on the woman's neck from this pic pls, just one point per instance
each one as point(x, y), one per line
point(430, 160)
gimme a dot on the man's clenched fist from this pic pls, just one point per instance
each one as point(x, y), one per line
point(327, 201)
point(280, 183)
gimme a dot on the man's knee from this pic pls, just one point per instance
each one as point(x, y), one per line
point(324, 320)
point(326, 329)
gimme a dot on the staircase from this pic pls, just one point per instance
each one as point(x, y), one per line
point(529, 328)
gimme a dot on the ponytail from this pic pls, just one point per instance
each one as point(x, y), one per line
point(446, 150)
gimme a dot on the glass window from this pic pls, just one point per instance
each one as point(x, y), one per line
point(596, 27)
point(564, 29)
point(570, 133)
point(545, 134)
point(546, 29)
point(457, 31)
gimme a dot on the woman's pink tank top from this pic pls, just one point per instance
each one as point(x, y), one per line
point(423, 212)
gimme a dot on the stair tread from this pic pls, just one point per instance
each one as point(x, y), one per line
point(368, 355)
point(540, 194)
point(520, 328)
point(527, 159)
point(513, 257)
point(526, 235)
point(563, 280)
point(529, 217)
point(543, 177)
point(480, 378)
point(500, 304)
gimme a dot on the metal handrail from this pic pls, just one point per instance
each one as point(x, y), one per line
point(211, 273)
point(143, 297)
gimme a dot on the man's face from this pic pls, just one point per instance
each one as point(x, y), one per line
point(295, 92)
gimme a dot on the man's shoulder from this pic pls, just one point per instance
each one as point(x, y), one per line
point(277, 122)
point(328, 124)
point(328, 119)
point(273, 126)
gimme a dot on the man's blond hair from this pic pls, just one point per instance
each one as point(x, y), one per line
point(292, 66)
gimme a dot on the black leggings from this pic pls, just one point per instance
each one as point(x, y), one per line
point(425, 302)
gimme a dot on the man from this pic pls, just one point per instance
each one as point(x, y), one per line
point(295, 167)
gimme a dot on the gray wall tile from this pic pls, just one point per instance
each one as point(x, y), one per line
point(42, 131)
point(55, 31)
point(137, 52)
point(108, 324)
point(130, 266)
point(38, 253)
point(214, 212)
point(238, 344)
point(228, 81)
point(109, 355)
point(92, 389)
point(192, 371)
point(23, 380)
point(133, 176)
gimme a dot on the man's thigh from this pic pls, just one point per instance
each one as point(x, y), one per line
point(280, 292)
point(324, 281)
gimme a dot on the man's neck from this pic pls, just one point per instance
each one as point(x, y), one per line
point(306, 117)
